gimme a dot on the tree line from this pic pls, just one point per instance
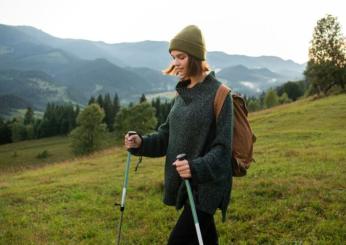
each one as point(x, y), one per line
point(56, 120)
point(286, 93)
point(61, 119)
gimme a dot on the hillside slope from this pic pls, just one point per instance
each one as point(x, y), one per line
point(293, 194)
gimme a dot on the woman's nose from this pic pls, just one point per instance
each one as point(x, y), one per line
point(175, 62)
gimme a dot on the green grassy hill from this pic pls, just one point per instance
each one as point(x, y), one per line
point(295, 193)
point(31, 154)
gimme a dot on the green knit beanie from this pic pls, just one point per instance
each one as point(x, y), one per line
point(190, 40)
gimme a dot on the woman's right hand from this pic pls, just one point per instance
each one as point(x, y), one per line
point(133, 141)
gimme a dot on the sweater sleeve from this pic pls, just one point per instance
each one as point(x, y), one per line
point(154, 145)
point(216, 163)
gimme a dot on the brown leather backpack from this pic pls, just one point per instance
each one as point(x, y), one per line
point(243, 137)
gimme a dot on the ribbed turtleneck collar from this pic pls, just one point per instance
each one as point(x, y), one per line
point(187, 94)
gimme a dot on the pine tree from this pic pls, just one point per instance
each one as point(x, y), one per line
point(100, 100)
point(156, 103)
point(29, 116)
point(66, 119)
point(109, 116)
point(49, 126)
point(142, 99)
point(57, 120)
point(162, 110)
point(38, 128)
point(116, 104)
point(91, 100)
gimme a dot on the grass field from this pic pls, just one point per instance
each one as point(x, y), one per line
point(26, 154)
point(295, 193)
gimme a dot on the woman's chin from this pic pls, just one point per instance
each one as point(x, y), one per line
point(181, 76)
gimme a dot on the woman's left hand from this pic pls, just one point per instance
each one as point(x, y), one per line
point(183, 168)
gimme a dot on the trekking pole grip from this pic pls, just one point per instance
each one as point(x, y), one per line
point(181, 157)
point(140, 158)
point(131, 133)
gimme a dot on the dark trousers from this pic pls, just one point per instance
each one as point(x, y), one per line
point(184, 232)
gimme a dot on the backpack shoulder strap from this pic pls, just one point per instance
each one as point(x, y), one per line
point(220, 97)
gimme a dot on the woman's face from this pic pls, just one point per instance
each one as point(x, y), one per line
point(180, 61)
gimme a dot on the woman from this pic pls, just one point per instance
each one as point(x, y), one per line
point(192, 128)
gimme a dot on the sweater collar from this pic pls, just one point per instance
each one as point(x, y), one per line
point(187, 94)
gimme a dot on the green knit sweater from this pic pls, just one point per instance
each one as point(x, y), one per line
point(191, 128)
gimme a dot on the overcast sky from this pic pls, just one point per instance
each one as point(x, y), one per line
point(249, 27)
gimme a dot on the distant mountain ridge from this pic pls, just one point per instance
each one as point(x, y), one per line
point(84, 68)
point(152, 54)
point(222, 60)
point(248, 81)
point(82, 78)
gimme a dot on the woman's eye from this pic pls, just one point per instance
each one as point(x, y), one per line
point(178, 57)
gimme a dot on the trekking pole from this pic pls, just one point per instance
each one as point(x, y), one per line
point(192, 204)
point(123, 195)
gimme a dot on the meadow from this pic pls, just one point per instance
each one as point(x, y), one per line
point(295, 192)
